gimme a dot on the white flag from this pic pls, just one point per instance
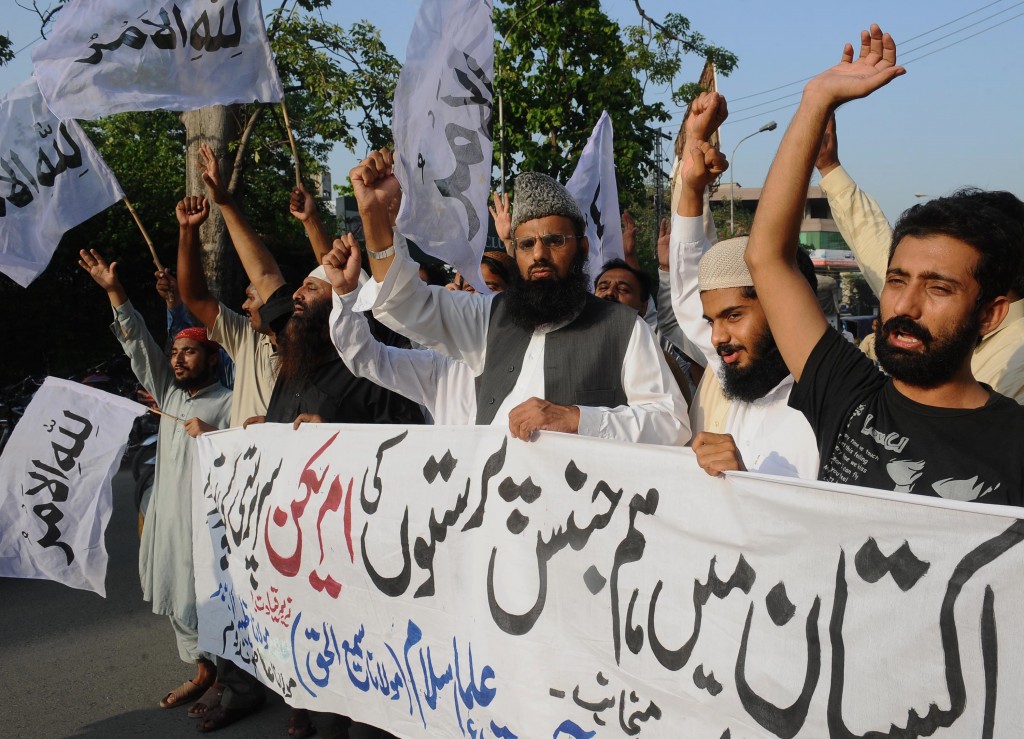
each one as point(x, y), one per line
point(442, 127)
point(593, 187)
point(111, 56)
point(51, 179)
point(55, 474)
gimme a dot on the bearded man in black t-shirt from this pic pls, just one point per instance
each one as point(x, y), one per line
point(929, 427)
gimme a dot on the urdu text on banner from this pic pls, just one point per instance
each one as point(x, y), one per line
point(442, 128)
point(451, 581)
point(112, 56)
point(54, 180)
point(55, 474)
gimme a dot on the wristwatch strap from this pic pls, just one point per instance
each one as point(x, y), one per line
point(381, 254)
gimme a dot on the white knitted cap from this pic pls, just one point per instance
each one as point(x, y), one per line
point(319, 273)
point(723, 266)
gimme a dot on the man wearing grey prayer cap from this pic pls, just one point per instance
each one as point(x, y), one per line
point(546, 354)
point(740, 418)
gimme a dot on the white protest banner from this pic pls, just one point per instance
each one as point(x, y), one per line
point(442, 127)
point(595, 190)
point(53, 179)
point(55, 474)
point(112, 56)
point(453, 582)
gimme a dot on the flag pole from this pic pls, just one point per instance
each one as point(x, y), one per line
point(149, 241)
point(291, 140)
point(165, 415)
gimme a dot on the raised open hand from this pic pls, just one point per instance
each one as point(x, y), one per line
point(501, 212)
point(852, 78)
point(629, 230)
point(664, 231)
point(103, 274)
point(210, 172)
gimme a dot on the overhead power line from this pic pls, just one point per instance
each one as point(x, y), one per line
point(906, 63)
point(905, 52)
point(912, 38)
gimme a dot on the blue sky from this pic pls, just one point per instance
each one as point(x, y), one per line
point(955, 119)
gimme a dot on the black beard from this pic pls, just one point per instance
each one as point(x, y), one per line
point(533, 303)
point(766, 370)
point(940, 359)
point(305, 341)
point(194, 383)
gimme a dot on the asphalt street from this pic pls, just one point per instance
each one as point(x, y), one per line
point(73, 664)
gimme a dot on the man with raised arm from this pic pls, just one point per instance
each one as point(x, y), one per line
point(251, 344)
point(302, 381)
point(243, 335)
point(741, 418)
point(930, 428)
point(998, 359)
point(442, 385)
point(546, 354)
point(191, 402)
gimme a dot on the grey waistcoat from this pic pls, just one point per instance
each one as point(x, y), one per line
point(582, 361)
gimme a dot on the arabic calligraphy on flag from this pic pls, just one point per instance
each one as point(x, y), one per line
point(595, 190)
point(112, 56)
point(55, 473)
point(442, 127)
point(51, 179)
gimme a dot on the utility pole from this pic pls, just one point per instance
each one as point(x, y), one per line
point(659, 182)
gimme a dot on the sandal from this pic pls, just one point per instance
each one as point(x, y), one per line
point(221, 716)
point(207, 702)
point(187, 691)
point(300, 725)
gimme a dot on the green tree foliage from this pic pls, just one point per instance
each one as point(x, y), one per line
point(743, 219)
point(6, 50)
point(339, 84)
point(559, 65)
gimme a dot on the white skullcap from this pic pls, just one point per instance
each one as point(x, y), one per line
point(319, 273)
point(723, 266)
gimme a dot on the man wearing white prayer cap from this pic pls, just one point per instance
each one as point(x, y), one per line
point(740, 416)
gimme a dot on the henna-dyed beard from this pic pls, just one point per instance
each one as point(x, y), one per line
point(305, 341)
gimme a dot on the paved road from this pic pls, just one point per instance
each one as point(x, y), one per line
point(73, 664)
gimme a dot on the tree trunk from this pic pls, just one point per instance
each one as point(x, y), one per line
point(216, 125)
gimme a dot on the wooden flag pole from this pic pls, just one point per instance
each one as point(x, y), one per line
point(291, 140)
point(166, 415)
point(149, 241)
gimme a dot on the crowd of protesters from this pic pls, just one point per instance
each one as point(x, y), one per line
point(733, 358)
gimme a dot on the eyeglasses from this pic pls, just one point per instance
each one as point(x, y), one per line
point(550, 241)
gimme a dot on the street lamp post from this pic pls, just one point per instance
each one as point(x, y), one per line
point(770, 126)
point(497, 73)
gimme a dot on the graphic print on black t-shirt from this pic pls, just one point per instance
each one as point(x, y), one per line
point(871, 435)
point(863, 452)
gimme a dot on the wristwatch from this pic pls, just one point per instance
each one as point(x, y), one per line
point(390, 251)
